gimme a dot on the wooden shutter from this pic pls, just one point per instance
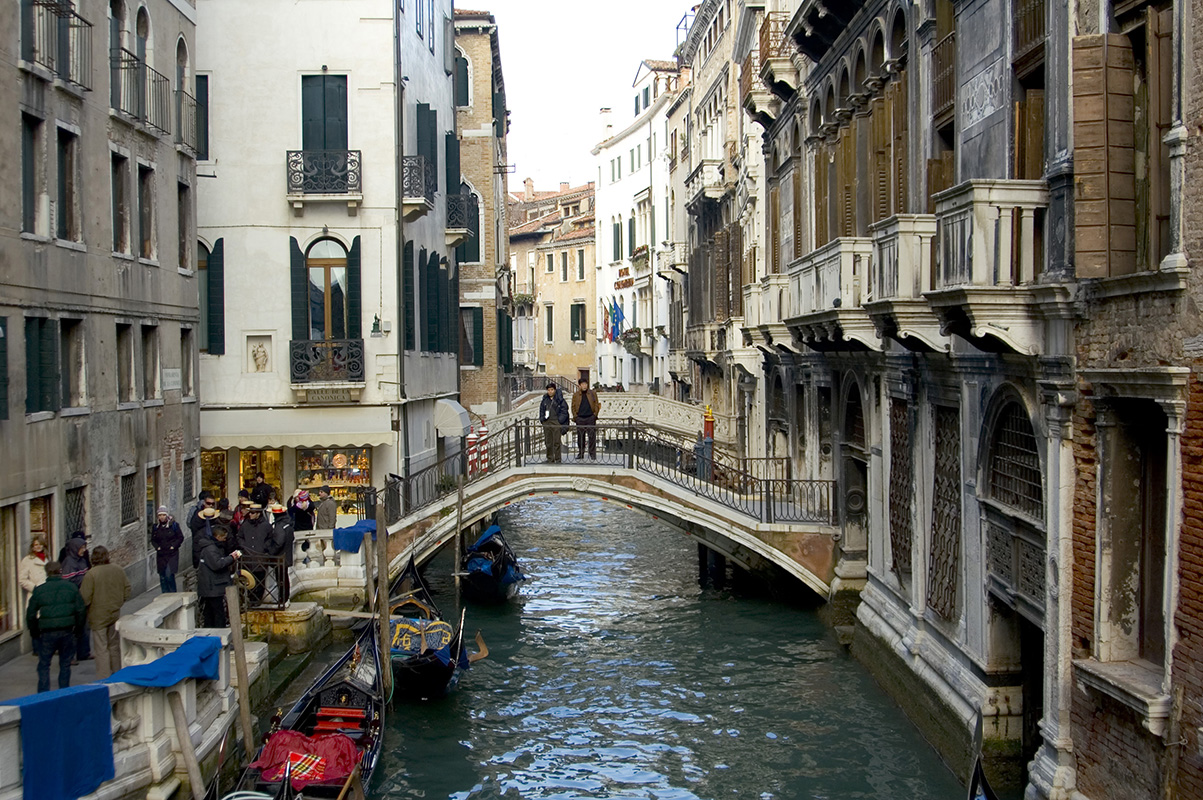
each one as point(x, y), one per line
point(3, 367)
point(461, 81)
point(1029, 136)
point(354, 292)
point(478, 336)
point(721, 276)
point(49, 383)
point(899, 149)
point(799, 250)
point(425, 291)
point(313, 113)
point(427, 135)
point(631, 236)
point(202, 117)
point(1104, 206)
point(820, 194)
point(734, 260)
point(215, 275)
point(408, 295)
point(453, 167)
point(940, 173)
point(847, 180)
point(33, 349)
point(300, 293)
point(1160, 61)
point(499, 114)
point(879, 150)
point(774, 230)
point(335, 91)
point(505, 343)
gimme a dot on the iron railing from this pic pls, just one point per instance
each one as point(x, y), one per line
point(1030, 26)
point(462, 211)
point(267, 586)
point(517, 384)
point(324, 172)
point(54, 36)
point(945, 57)
point(419, 178)
point(773, 43)
point(140, 91)
point(763, 489)
point(186, 131)
point(326, 361)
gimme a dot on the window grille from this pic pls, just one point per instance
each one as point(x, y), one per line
point(901, 487)
point(854, 420)
point(129, 499)
point(1014, 470)
point(74, 510)
point(944, 569)
point(189, 479)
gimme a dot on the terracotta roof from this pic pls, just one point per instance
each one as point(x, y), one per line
point(657, 64)
point(579, 233)
point(535, 224)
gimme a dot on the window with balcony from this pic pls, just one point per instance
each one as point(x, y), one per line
point(324, 165)
point(326, 308)
point(941, 168)
point(56, 38)
point(326, 263)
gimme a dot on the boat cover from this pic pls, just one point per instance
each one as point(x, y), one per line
point(325, 759)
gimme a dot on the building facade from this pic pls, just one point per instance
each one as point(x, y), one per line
point(485, 282)
point(98, 288)
point(330, 350)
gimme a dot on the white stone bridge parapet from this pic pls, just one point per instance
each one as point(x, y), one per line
point(146, 755)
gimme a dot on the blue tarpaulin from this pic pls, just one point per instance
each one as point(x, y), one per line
point(349, 539)
point(484, 537)
point(199, 657)
point(66, 742)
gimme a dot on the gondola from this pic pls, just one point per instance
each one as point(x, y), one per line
point(979, 787)
point(490, 569)
point(330, 738)
point(428, 654)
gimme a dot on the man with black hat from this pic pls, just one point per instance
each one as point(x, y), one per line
point(255, 539)
point(262, 491)
point(213, 575)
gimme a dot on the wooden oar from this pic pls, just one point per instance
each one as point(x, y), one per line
point(353, 778)
point(483, 653)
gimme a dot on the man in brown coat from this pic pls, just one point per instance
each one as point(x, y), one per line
point(585, 407)
point(105, 589)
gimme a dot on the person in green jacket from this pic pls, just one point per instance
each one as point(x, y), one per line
point(105, 589)
point(55, 616)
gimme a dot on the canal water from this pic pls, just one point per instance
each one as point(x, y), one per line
point(617, 675)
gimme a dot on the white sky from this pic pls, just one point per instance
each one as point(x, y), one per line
point(563, 60)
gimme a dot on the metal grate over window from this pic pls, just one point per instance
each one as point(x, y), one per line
point(944, 569)
point(189, 479)
point(854, 420)
point(75, 510)
point(129, 499)
point(1014, 467)
point(901, 487)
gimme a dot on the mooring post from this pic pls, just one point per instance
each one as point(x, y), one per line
point(459, 530)
point(244, 675)
point(186, 748)
point(382, 594)
point(369, 600)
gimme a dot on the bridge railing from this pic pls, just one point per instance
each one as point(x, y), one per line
point(763, 489)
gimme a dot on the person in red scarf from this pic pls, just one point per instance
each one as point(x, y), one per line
point(32, 571)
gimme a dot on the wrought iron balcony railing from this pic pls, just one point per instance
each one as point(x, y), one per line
point(186, 131)
point(140, 91)
point(419, 178)
point(326, 361)
point(54, 36)
point(324, 172)
point(773, 43)
point(462, 211)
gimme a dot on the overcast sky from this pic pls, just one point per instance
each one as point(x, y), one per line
point(565, 59)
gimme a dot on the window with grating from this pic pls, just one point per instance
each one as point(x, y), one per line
point(901, 487)
point(189, 479)
point(1014, 466)
point(944, 565)
point(75, 510)
point(854, 420)
point(129, 499)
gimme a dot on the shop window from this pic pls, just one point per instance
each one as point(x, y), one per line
point(345, 471)
point(269, 462)
point(213, 474)
point(945, 563)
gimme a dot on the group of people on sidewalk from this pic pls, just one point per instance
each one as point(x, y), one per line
point(72, 606)
point(554, 415)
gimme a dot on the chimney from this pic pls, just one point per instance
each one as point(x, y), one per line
point(606, 125)
point(529, 190)
point(564, 186)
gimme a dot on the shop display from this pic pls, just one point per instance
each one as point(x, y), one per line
point(269, 462)
point(344, 471)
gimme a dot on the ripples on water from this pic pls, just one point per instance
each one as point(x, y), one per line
point(616, 676)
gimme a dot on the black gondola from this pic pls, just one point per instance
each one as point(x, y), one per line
point(979, 787)
point(339, 719)
point(427, 654)
point(490, 569)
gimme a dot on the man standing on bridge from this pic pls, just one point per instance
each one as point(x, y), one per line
point(553, 413)
point(585, 406)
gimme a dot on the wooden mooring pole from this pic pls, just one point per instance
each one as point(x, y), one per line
point(244, 677)
point(186, 748)
point(369, 601)
point(459, 530)
point(382, 584)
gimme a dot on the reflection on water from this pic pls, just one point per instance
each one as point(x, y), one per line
point(615, 675)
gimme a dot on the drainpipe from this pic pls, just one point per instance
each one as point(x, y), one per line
point(399, 160)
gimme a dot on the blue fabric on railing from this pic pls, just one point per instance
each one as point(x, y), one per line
point(66, 742)
point(199, 657)
point(349, 539)
point(484, 537)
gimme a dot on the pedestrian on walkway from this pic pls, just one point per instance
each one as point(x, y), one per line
point(302, 512)
point(196, 521)
point(213, 575)
point(54, 617)
point(553, 413)
point(283, 541)
point(262, 491)
point(105, 590)
point(167, 539)
point(76, 564)
point(585, 408)
point(32, 571)
point(327, 510)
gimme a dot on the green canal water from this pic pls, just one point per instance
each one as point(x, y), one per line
point(615, 674)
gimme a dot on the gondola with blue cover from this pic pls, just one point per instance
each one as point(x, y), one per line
point(490, 569)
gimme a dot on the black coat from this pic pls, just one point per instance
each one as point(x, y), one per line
point(75, 566)
point(283, 537)
point(554, 406)
point(213, 575)
point(261, 493)
point(255, 536)
point(167, 538)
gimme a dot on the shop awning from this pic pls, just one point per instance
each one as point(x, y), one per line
point(261, 429)
point(451, 419)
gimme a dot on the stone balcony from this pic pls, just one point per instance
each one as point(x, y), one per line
point(777, 67)
point(828, 288)
point(903, 255)
point(705, 183)
point(989, 252)
point(705, 342)
point(776, 305)
point(754, 93)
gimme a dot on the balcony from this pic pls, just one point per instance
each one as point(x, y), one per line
point(324, 175)
point(418, 183)
point(327, 370)
point(777, 56)
point(640, 259)
point(776, 305)
point(139, 92)
point(754, 93)
point(59, 40)
point(704, 183)
point(1030, 32)
point(462, 211)
point(903, 255)
point(944, 56)
point(524, 358)
point(187, 134)
point(706, 342)
point(828, 287)
point(989, 249)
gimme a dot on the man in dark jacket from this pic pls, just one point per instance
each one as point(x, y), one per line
point(197, 522)
point(54, 616)
point(76, 564)
point(213, 575)
point(585, 407)
point(553, 413)
point(262, 491)
point(255, 539)
point(283, 539)
point(167, 539)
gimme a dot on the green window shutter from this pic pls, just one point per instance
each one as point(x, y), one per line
point(453, 168)
point(652, 238)
point(461, 81)
point(354, 292)
point(424, 290)
point(3, 367)
point(202, 117)
point(33, 351)
point(505, 342)
point(50, 388)
point(574, 321)
point(300, 293)
point(215, 275)
point(434, 304)
point(408, 290)
point(478, 336)
point(336, 112)
point(616, 230)
point(427, 134)
point(471, 247)
point(631, 236)
point(499, 114)
point(313, 112)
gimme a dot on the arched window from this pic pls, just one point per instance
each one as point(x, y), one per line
point(854, 419)
point(326, 267)
point(1013, 470)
